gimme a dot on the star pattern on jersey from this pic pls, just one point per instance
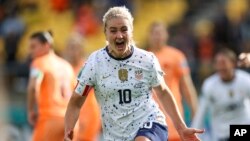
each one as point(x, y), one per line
point(123, 89)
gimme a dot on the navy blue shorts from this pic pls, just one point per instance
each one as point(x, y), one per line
point(153, 131)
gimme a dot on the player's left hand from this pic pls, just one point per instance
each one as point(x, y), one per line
point(189, 134)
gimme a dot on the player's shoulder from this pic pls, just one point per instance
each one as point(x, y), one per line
point(178, 53)
point(39, 62)
point(243, 75)
point(143, 54)
point(139, 50)
point(36, 61)
point(211, 80)
point(63, 63)
point(174, 50)
point(66, 63)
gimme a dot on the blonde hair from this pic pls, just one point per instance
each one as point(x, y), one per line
point(156, 24)
point(115, 12)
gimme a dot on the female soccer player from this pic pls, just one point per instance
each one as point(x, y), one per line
point(49, 89)
point(123, 77)
point(89, 123)
point(178, 76)
point(225, 95)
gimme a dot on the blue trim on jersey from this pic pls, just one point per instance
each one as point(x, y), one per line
point(120, 59)
point(157, 132)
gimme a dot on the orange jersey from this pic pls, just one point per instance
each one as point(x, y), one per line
point(174, 64)
point(89, 118)
point(56, 85)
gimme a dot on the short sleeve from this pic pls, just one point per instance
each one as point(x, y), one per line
point(86, 77)
point(35, 73)
point(36, 70)
point(156, 73)
point(182, 65)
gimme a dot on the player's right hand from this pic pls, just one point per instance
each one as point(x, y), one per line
point(32, 118)
point(68, 136)
point(189, 134)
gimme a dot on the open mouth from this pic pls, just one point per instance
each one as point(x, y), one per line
point(120, 44)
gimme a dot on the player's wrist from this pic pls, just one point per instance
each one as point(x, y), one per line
point(31, 112)
point(69, 133)
point(181, 127)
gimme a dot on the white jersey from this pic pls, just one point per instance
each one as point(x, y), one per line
point(123, 89)
point(227, 102)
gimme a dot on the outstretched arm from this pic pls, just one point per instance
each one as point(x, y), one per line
point(169, 104)
point(189, 93)
point(72, 114)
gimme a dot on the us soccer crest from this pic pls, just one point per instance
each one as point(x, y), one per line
point(123, 74)
point(138, 74)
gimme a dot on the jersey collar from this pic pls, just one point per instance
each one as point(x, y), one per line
point(120, 59)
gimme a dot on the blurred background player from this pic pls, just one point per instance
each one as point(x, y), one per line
point(244, 60)
point(89, 119)
point(49, 89)
point(225, 95)
point(177, 77)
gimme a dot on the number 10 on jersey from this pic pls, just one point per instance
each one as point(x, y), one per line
point(124, 96)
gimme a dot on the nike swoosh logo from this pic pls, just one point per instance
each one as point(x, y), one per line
point(104, 77)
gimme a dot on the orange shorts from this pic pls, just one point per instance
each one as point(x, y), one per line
point(49, 129)
point(88, 132)
point(174, 139)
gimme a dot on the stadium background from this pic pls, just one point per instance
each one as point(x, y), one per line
point(197, 27)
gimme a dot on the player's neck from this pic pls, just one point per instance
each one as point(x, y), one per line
point(50, 52)
point(45, 53)
point(230, 77)
point(126, 53)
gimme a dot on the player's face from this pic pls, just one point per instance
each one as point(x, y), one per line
point(118, 33)
point(36, 48)
point(74, 51)
point(224, 66)
point(158, 36)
